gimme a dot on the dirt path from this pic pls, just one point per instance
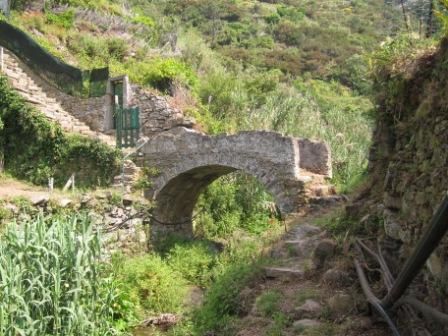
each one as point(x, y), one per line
point(10, 189)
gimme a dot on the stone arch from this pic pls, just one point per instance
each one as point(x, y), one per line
point(188, 161)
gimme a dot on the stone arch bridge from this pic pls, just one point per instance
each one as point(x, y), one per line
point(188, 161)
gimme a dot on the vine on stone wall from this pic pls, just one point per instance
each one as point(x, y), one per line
point(36, 148)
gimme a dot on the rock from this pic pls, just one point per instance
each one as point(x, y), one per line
point(324, 250)
point(39, 200)
point(85, 200)
point(101, 196)
point(336, 278)
point(163, 321)
point(303, 324)
point(340, 305)
point(306, 230)
point(391, 225)
point(310, 309)
point(283, 272)
point(64, 202)
point(12, 208)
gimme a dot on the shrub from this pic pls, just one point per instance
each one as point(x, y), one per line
point(64, 19)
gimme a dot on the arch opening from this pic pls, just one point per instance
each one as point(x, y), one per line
point(177, 199)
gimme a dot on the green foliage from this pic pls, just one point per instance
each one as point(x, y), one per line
point(281, 321)
point(443, 16)
point(51, 280)
point(268, 303)
point(162, 73)
point(97, 51)
point(64, 20)
point(194, 260)
point(234, 202)
point(109, 6)
point(222, 303)
point(144, 180)
point(36, 149)
point(150, 284)
point(143, 20)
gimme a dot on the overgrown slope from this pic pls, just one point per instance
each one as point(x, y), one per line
point(297, 67)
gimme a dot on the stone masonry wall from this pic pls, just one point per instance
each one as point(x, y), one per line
point(155, 113)
point(409, 160)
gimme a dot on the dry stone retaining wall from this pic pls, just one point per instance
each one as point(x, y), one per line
point(409, 160)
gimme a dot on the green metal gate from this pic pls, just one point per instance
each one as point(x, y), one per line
point(128, 126)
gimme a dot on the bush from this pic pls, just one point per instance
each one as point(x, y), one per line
point(64, 19)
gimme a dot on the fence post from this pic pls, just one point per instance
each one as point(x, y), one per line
point(1, 59)
point(51, 184)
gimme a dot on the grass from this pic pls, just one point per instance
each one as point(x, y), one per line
point(268, 303)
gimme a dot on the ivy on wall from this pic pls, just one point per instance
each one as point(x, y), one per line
point(34, 148)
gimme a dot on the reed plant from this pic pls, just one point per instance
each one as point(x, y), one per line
point(52, 281)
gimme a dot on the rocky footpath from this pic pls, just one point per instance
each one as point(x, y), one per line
point(315, 288)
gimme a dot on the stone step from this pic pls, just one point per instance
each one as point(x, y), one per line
point(285, 273)
point(35, 95)
point(321, 190)
point(327, 200)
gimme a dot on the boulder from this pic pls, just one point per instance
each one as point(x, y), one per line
point(283, 273)
point(127, 200)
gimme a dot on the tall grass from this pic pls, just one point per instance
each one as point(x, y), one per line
point(51, 281)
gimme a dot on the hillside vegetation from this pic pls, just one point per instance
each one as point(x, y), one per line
point(299, 67)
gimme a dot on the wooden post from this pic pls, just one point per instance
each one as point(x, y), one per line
point(1, 59)
point(70, 182)
point(51, 184)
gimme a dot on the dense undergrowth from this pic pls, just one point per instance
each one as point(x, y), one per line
point(35, 149)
